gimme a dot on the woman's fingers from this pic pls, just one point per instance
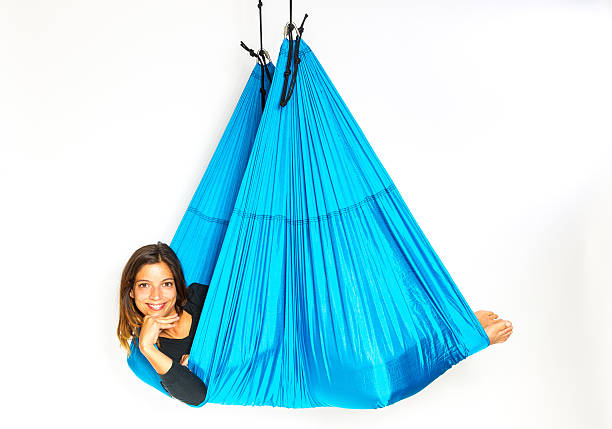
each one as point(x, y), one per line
point(162, 324)
point(159, 323)
point(167, 319)
point(163, 318)
point(165, 325)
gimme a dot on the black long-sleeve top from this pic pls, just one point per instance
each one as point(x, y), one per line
point(179, 381)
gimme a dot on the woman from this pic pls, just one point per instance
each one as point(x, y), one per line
point(156, 307)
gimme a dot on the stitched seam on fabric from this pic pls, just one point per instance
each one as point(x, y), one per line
point(319, 218)
point(203, 216)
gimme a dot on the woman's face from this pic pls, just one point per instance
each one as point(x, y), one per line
point(154, 291)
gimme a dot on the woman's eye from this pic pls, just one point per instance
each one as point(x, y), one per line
point(169, 284)
point(143, 285)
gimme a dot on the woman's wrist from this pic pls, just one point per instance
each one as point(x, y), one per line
point(160, 362)
point(147, 349)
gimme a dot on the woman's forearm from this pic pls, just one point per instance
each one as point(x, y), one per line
point(160, 362)
point(177, 379)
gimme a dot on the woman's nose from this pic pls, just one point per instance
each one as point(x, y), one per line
point(155, 293)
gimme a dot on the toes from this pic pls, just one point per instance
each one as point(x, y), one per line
point(503, 329)
point(501, 337)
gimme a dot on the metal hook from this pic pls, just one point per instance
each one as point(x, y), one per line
point(266, 54)
point(295, 27)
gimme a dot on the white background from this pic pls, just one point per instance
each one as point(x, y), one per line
point(493, 119)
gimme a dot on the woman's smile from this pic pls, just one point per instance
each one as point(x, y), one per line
point(156, 307)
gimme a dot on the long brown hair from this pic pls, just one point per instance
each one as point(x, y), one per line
point(130, 317)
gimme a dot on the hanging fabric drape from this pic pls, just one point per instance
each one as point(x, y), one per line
point(199, 236)
point(324, 291)
point(198, 239)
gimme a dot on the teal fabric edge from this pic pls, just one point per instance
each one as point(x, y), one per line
point(143, 369)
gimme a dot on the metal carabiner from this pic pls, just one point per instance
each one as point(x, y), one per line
point(285, 32)
point(266, 54)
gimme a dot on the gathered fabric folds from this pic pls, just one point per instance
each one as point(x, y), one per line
point(200, 234)
point(324, 291)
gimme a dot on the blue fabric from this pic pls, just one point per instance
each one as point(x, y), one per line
point(324, 291)
point(199, 236)
point(143, 368)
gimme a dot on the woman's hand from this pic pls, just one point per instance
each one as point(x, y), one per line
point(151, 328)
point(185, 360)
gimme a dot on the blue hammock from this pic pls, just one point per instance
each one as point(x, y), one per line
point(325, 292)
point(200, 234)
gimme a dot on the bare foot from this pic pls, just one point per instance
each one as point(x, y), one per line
point(486, 317)
point(498, 331)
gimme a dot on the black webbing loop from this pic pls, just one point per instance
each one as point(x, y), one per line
point(287, 92)
point(261, 58)
point(259, 6)
point(262, 53)
point(250, 51)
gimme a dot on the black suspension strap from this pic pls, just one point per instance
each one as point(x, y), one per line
point(262, 52)
point(288, 86)
point(249, 50)
point(261, 58)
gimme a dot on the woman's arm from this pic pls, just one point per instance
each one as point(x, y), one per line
point(183, 384)
point(160, 362)
point(149, 333)
point(177, 379)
